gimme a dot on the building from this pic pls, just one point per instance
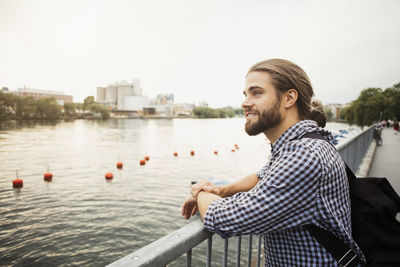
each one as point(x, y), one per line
point(125, 98)
point(37, 94)
point(122, 96)
point(164, 105)
point(136, 103)
point(335, 109)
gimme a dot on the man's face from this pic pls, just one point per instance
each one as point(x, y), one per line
point(262, 104)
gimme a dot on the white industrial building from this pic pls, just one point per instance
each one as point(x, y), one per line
point(122, 96)
point(126, 98)
point(136, 103)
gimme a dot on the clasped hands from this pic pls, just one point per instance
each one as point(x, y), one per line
point(189, 206)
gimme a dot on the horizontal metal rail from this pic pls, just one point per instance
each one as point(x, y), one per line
point(168, 248)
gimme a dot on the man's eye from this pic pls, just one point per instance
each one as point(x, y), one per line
point(257, 93)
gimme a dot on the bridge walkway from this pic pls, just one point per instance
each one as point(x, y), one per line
point(386, 160)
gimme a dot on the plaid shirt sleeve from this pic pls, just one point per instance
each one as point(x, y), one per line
point(284, 197)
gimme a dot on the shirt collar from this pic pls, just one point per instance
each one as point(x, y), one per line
point(296, 131)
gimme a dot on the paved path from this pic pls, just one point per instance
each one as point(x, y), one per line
point(386, 161)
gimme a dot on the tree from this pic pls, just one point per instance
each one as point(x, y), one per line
point(392, 95)
point(328, 114)
point(238, 111)
point(26, 108)
point(373, 105)
point(204, 112)
point(98, 108)
point(8, 103)
point(48, 108)
point(69, 109)
point(87, 102)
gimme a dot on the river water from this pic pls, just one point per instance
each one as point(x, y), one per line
point(80, 218)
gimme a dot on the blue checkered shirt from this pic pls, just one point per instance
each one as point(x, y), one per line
point(303, 183)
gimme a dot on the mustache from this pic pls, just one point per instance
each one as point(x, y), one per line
point(249, 110)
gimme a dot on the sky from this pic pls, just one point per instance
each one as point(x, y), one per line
point(197, 50)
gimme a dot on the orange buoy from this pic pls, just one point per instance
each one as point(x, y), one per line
point(18, 183)
point(142, 162)
point(192, 152)
point(216, 152)
point(119, 165)
point(233, 150)
point(147, 158)
point(175, 154)
point(48, 176)
point(109, 176)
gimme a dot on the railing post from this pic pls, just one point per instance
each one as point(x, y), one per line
point(259, 250)
point(225, 256)
point(250, 248)
point(209, 249)
point(189, 258)
point(239, 245)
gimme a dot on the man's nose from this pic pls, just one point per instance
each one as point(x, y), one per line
point(246, 103)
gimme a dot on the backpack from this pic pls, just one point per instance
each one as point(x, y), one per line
point(374, 205)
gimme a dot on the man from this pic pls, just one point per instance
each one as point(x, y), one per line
point(303, 183)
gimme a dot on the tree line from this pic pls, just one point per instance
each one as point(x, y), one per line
point(227, 112)
point(372, 105)
point(13, 107)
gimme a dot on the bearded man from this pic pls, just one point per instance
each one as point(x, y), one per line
point(303, 183)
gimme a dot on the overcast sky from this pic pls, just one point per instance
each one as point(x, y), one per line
point(198, 50)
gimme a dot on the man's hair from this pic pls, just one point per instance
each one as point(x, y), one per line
point(286, 75)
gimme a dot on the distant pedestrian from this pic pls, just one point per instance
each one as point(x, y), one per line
point(396, 125)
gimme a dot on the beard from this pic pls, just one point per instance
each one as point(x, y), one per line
point(266, 120)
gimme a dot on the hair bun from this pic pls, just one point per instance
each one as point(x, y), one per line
point(317, 113)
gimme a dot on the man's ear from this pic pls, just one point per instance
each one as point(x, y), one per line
point(290, 97)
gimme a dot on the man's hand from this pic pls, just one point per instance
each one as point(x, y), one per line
point(204, 185)
point(189, 207)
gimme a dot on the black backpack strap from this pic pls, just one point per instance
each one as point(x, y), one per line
point(345, 256)
point(350, 175)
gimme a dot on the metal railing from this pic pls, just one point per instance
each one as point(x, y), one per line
point(354, 149)
point(183, 240)
point(166, 249)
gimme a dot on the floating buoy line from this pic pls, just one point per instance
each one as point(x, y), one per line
point(48, 176)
